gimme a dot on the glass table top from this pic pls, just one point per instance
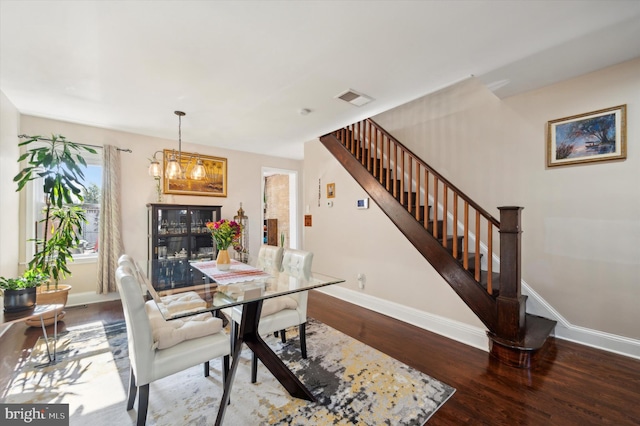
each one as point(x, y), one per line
point(182, 288)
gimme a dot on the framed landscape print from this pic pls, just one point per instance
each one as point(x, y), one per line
point(585, 138)
point(214, 184)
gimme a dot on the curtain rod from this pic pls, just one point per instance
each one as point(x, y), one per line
point(77, 143)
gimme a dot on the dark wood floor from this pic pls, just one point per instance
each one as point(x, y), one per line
point(575, 385)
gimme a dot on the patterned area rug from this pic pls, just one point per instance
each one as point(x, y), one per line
point(354, 384)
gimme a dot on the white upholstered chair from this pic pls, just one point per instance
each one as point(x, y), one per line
point(290, 310)
point(147, 361)
point(269, 258)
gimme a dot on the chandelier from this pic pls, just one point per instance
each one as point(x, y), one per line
point(174, 168)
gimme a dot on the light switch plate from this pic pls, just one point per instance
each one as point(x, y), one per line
point(363, 204)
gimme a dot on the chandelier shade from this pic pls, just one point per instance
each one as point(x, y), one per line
point(154, 168)
point(198, 172)
point(173, 170)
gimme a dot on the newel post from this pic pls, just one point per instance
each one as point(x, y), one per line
point(511, 303)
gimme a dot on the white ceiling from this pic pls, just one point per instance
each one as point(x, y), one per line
point(243, 70)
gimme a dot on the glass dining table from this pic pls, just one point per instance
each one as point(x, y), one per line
point(242, 285)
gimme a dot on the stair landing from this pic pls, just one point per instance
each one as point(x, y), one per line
point(526, 353)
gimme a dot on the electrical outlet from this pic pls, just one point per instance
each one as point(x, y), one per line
point(361, 280)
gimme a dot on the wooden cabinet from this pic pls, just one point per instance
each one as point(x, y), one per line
point(177, 234)
point(270, 232)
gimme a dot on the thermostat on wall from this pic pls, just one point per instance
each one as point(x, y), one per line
point(363, 204)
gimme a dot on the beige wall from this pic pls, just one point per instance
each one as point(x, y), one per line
point(581, 241)
point(138, 188)
point(9, 198)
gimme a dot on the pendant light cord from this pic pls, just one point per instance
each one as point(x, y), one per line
point(179, 114)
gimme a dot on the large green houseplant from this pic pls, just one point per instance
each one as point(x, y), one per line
point(58, 163)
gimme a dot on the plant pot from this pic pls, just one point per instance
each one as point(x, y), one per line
point(19, 300)
point(48, 297)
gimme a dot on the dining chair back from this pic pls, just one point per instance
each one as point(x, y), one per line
point(147, 362)
point(297, 262)
point(291, 309)
point(269, 258)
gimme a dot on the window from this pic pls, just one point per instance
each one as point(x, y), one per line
point(91, 205)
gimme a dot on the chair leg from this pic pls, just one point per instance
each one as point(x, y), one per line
point(234, 335)
point(254, 368)
point(225, 368)
point(225, 373)
point(283, 336)
point(206, 369)
point(303, 339)
point(143, 404)
point(133, 389)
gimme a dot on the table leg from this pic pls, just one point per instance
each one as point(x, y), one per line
point(248, 334)
point(52, 358)
point(55, 334)
point(46, 338)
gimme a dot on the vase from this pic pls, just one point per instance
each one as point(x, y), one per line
point(223, 261)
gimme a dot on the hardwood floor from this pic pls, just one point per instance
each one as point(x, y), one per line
point(575, 385)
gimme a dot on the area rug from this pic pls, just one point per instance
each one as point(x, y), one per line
point(354, 384)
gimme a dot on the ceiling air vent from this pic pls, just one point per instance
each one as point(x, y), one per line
point(354, 98)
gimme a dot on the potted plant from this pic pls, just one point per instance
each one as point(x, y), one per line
point(58, 162)
point(20, 293)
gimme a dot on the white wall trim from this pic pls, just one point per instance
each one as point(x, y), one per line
point(455, 330)
point(476, 337)
point(89, 297)
point(294, 223)
point(585, 336)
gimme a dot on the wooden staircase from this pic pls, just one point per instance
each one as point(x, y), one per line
point(452, 232)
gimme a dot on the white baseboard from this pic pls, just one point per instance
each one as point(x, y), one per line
point(89, 297)
point(585, 336)
point(464, 333)
point(476, 337)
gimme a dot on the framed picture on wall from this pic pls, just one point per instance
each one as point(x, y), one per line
point(331, 190)
point(585, 138)
point(214, 183)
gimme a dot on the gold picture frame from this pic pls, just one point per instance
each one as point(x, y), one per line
point(331, 190)
point(213, 185)
point(585, 138)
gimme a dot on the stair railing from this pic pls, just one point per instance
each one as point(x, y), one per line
point(417, 186)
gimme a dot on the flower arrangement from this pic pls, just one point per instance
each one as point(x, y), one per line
point(225, 233)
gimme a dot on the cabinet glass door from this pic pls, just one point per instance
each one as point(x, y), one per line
point(178, 235)
point(201, 243)
point(172, 230)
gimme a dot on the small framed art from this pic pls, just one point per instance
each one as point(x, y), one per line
point(331, 190)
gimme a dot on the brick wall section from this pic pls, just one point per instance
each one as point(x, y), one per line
point(277, 192)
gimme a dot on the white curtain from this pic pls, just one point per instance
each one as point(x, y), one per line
point(110, 244)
